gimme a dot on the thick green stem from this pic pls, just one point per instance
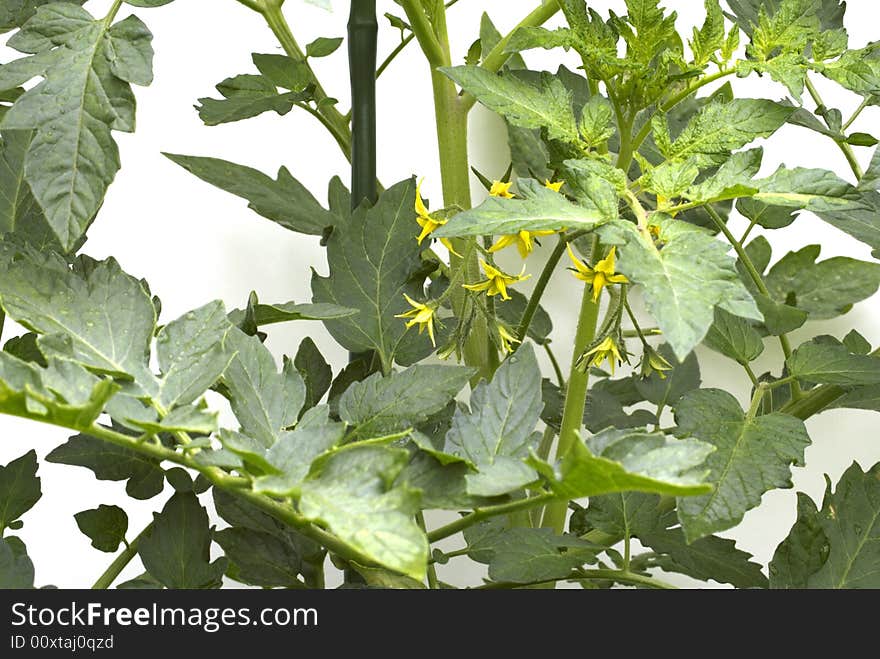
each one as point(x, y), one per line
point(120, 562)
point(817, 399)
point(575, 400)
point(488, 512)
point(111, 15)
point(432, 570)
point(756, 278)
point(330, 117)
point(363, 30)
point(844, 147)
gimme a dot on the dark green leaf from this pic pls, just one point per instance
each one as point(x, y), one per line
point(285, 200)
point(753, 456)
point(734, 337)
point(16, 569)
point(323, 46)
point(176, 551)
point(283, 71)
point(803, 552)
point(19, 488)
point(260, 559)
point(247, 96)
point(827, 363)
point(105, 526)
point(314, 370)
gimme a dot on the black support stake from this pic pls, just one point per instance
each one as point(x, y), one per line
point(363, 30)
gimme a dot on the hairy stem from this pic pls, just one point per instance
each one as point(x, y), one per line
point(575, 398)
point(758, 280)
point(847, 150)
point(480, 514)
point(120, 562)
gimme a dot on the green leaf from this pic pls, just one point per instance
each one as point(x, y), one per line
point(747, 13)
point(733, 179)
point(19, 488)
point(373, 262)
point(857, 71)
point(822, 362)
point(290, 457)
point(665, 391)
point(379, 578)
point(710, 37)
point(641, 516)
point(176, 551)
point(597, 121)
point(541, 209)
point(836, 547)
point(521, 555)
point(264, 401)
point(15, 13)
point(314, 370)
point(112, 463)
point(765, 215)
point(753, 455)
point(192, 354)
point(285, 200)
point(498, 431)
point(349, 491)
point(734, 337)
point(720, 128)
point(522, 104)
point(260, 559)
point(323, 46)
point(246, 96)
point(684, 281)
point(105, 526)
point(803, 552)
point(18, 208)
point(442, 483)
point(283, 71)
point(148, 3)
point(187, 419)
point(87, 67)
point(824, 289)
point(629, 459)
point(817, 190)
point(381, 405)
point(94, 314)
point(271, 314)
point(16, 569)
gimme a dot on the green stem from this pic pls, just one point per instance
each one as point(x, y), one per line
point(111, 15)
point(424, 33)
point(758, 280)
point(497, 57)
point(330, 117)
point(488, 512)
point(757, 399)
point(560, 378)
point(407, 40)
point(120, 562)
point(619, 576)
point(844, 147)
point(855, 115)
point(2, 323)
point(748, 369)
point(575, 399)
point(432, 571)
point(541, 286)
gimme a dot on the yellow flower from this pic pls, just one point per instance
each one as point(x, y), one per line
point(501, 189)
point(556, 186)
point(507, 339)
point(496, 281)
point(421, 315)
point(653, 362)
point(429, 223)
point(605, 350)
point(600, 276)
point(524, 241)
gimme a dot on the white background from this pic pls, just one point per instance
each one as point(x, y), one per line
point(194, 243)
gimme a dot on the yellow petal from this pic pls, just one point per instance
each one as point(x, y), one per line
point(556, 187)
point(421, 209)
point(447, 243)
point(501, 189)
point(502, 243)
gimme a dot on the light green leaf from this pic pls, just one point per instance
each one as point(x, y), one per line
point(264, 401)
point(373, 261)
point(498, 431)
point(709, 38)
point(541, 209)
point(15, 13)
point(823, 362)
point(189, 419)
point(105, 526)
point(85, 94)
point(684, 281)
point(720, 128)
point(733, 179)
point(94, 314)
point(597, 121)
point(285, 200)
point(817, 190)
point(384, 405)
point(323, 46)
point(16, 569)
point(836, 547)
point(111, 463)
point(192, 354)
point(629, 459)
point(19, 488)
point(176, 551)
point(349, 492)
point(734, 337)
point(522, 104)
point(824, 289)
point(753, 455)
point(246, 96)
